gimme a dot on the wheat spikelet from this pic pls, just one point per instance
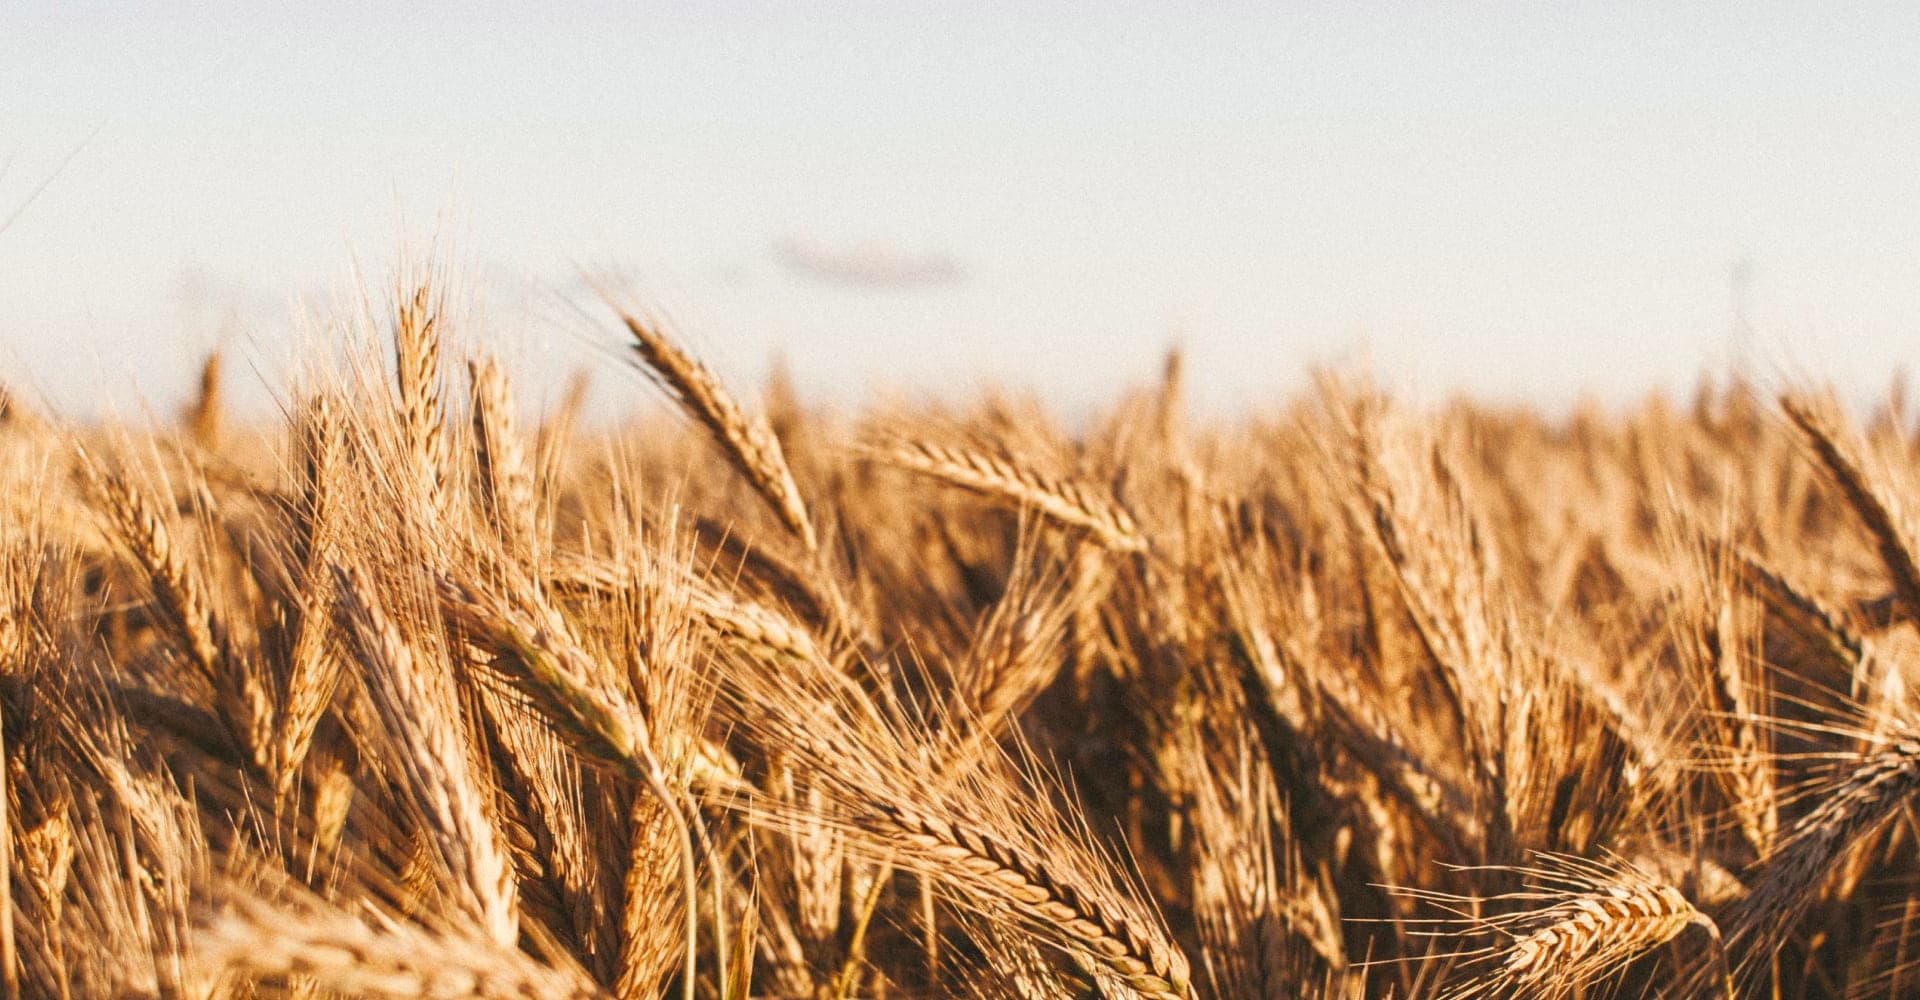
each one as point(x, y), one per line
point(206, 418)
point(182, 596)
point(1847, 810)
point(755, 626)
point(648, 936)
point(1012, 857)
point(1251, 907)
point(1020, 643)
point(1015, 969)
point(187, 606)
point(312, 672)
point(1437, 801)
point(1811, 614)
point(1081, 918)
point(1588, 935)
point(548, 663)
point(1749, 770)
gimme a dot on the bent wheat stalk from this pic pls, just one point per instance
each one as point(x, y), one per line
point(1871, 500)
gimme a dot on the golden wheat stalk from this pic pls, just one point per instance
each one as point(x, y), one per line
point(1598, 916)
point(1871, 500)
point(506, 474)
point(1067, 502)
point(418, 345)
point(309, 940)
point(749, 444)
point(419, 709)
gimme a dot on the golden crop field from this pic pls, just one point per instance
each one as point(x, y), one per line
point(418, 692)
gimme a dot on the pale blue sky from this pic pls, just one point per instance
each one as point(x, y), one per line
point(1524, 201)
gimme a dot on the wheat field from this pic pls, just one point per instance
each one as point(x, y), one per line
point(418, 692)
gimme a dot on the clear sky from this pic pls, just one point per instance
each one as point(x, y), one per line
point(1526, 201)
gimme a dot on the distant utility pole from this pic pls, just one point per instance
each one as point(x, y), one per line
point(1740, 333)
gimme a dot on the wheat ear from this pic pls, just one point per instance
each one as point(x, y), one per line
point(350, 955)
point(1061, 500)
point(206, 416)
point(419, 708)
point(1869, 500)
point(545, 661)
point(1077, 916)
point(1587, 936)
point(417, 344)
point(1849, 810)
point(1599, 916)
point(187, 608)
point(506, 473)
point(749, 444)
